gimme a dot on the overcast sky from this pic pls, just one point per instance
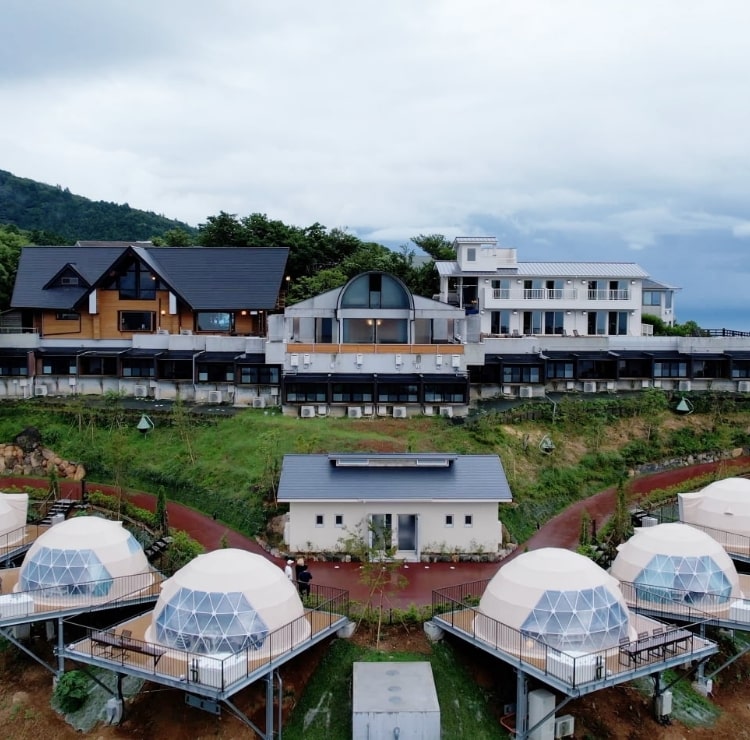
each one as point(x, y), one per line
point(612, 131)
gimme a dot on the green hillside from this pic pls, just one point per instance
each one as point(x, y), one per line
point(35, 206)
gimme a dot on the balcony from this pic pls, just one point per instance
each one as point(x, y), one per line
point(609, 295)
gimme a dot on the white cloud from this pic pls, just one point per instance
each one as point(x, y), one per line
point(622, 125)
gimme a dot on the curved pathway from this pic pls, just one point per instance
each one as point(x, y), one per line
point(413, 583)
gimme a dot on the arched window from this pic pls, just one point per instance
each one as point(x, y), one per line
point(375, 290)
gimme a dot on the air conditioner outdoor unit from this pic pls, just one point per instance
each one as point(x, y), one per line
point(429, 411)
point(743, 386)
point(610, 385)
point(456, 361)
point(657, 384)
point(259, 402)
point(72, 381)
point(354, 412)
point(322, 410)
point(382, 411)
point(214, 396)
point(645, 384)
point(368, 410)
point(570, 385)
point(162, 331)
point(40, 390)
point(399, 412)
point(307, 412)
point(294, 360)
point(446, 411)
point(525, 391)
point(589, 387)
point(507, 390)
point(275, 391)
point(186, 332)
point(685, 385)
point(565, 726)
point(140, 391)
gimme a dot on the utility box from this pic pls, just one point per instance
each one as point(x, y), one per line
point(542, 704)
point(394, 700)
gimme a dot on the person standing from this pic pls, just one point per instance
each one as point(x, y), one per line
point(298, 567)
point(288, 571)
point(303, 581)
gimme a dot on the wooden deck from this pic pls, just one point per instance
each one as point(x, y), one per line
point(194, 670)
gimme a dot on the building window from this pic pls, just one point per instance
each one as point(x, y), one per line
point(14, 366)
point(651, 298)
point(670, 369)
point(136, 283)
point(339, 520)
point(521, 374)
point(559, 370)
point(306, 392)
point(67, 316)
point(59, 366)
point(449, 520)
point(215, 321)
point(471, 254)
point(137, 320)
point(138, 369)
point(468, 520)
point(97, 365)
point(318, 520)
point(259, 375)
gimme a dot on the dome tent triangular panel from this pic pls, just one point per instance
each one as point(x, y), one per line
point(676, 562)
point(83, 558)
point(226, 601)
point(557, 597)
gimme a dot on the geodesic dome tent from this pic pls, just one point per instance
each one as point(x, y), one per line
point(723, 505)
point(227, 601)
point(558, 597)
point(13, 510)
point(676, 562)
point(84, 559)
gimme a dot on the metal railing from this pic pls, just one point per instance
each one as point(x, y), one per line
point(81, 596)
point(691, 606)
point(454, 606)
point(324, 607)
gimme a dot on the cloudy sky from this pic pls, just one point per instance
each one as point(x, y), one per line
point(572, 130)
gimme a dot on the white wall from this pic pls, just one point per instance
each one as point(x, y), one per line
point(432, 533)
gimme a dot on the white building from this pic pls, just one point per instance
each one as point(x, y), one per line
point(508, 298)
point(407, 504)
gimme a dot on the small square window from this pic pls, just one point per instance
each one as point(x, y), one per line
point(449, 520)
point(468, 520)
point(339, 521)
point(318, 520)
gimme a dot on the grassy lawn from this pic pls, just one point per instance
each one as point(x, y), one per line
point(229, 464)
point(325, 710)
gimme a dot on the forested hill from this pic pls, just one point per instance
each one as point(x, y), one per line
point(35, 206)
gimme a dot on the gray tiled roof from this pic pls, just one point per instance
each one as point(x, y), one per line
point(465, 478)
point(206, 278)
point(551, 269)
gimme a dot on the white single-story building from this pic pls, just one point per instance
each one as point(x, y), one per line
point(405, 504)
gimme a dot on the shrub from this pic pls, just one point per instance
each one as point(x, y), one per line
point(72, 690)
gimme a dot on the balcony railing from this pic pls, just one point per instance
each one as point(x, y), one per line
point(609, 295)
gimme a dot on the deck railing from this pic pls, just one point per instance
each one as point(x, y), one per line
point(324, 607)
point(455, 606)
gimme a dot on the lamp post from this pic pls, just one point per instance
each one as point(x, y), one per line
point(145, 425)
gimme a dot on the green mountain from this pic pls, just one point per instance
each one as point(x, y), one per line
point(35, 206)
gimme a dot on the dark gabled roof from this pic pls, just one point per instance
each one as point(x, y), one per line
point(393, 477)
point(207, 279)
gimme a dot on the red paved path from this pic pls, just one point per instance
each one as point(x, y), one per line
point(421, 578)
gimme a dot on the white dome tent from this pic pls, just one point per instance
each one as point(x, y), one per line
point(227, 601)
point(676, 562)
point(557, 597)
point(723, 507)
point(13, 511)
point(84, 559)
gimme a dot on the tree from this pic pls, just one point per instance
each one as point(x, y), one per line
point(173, 238)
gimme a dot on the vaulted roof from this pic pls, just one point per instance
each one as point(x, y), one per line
point(215, 278)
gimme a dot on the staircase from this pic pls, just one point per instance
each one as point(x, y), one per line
point(157, 548)
point(60, 507)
